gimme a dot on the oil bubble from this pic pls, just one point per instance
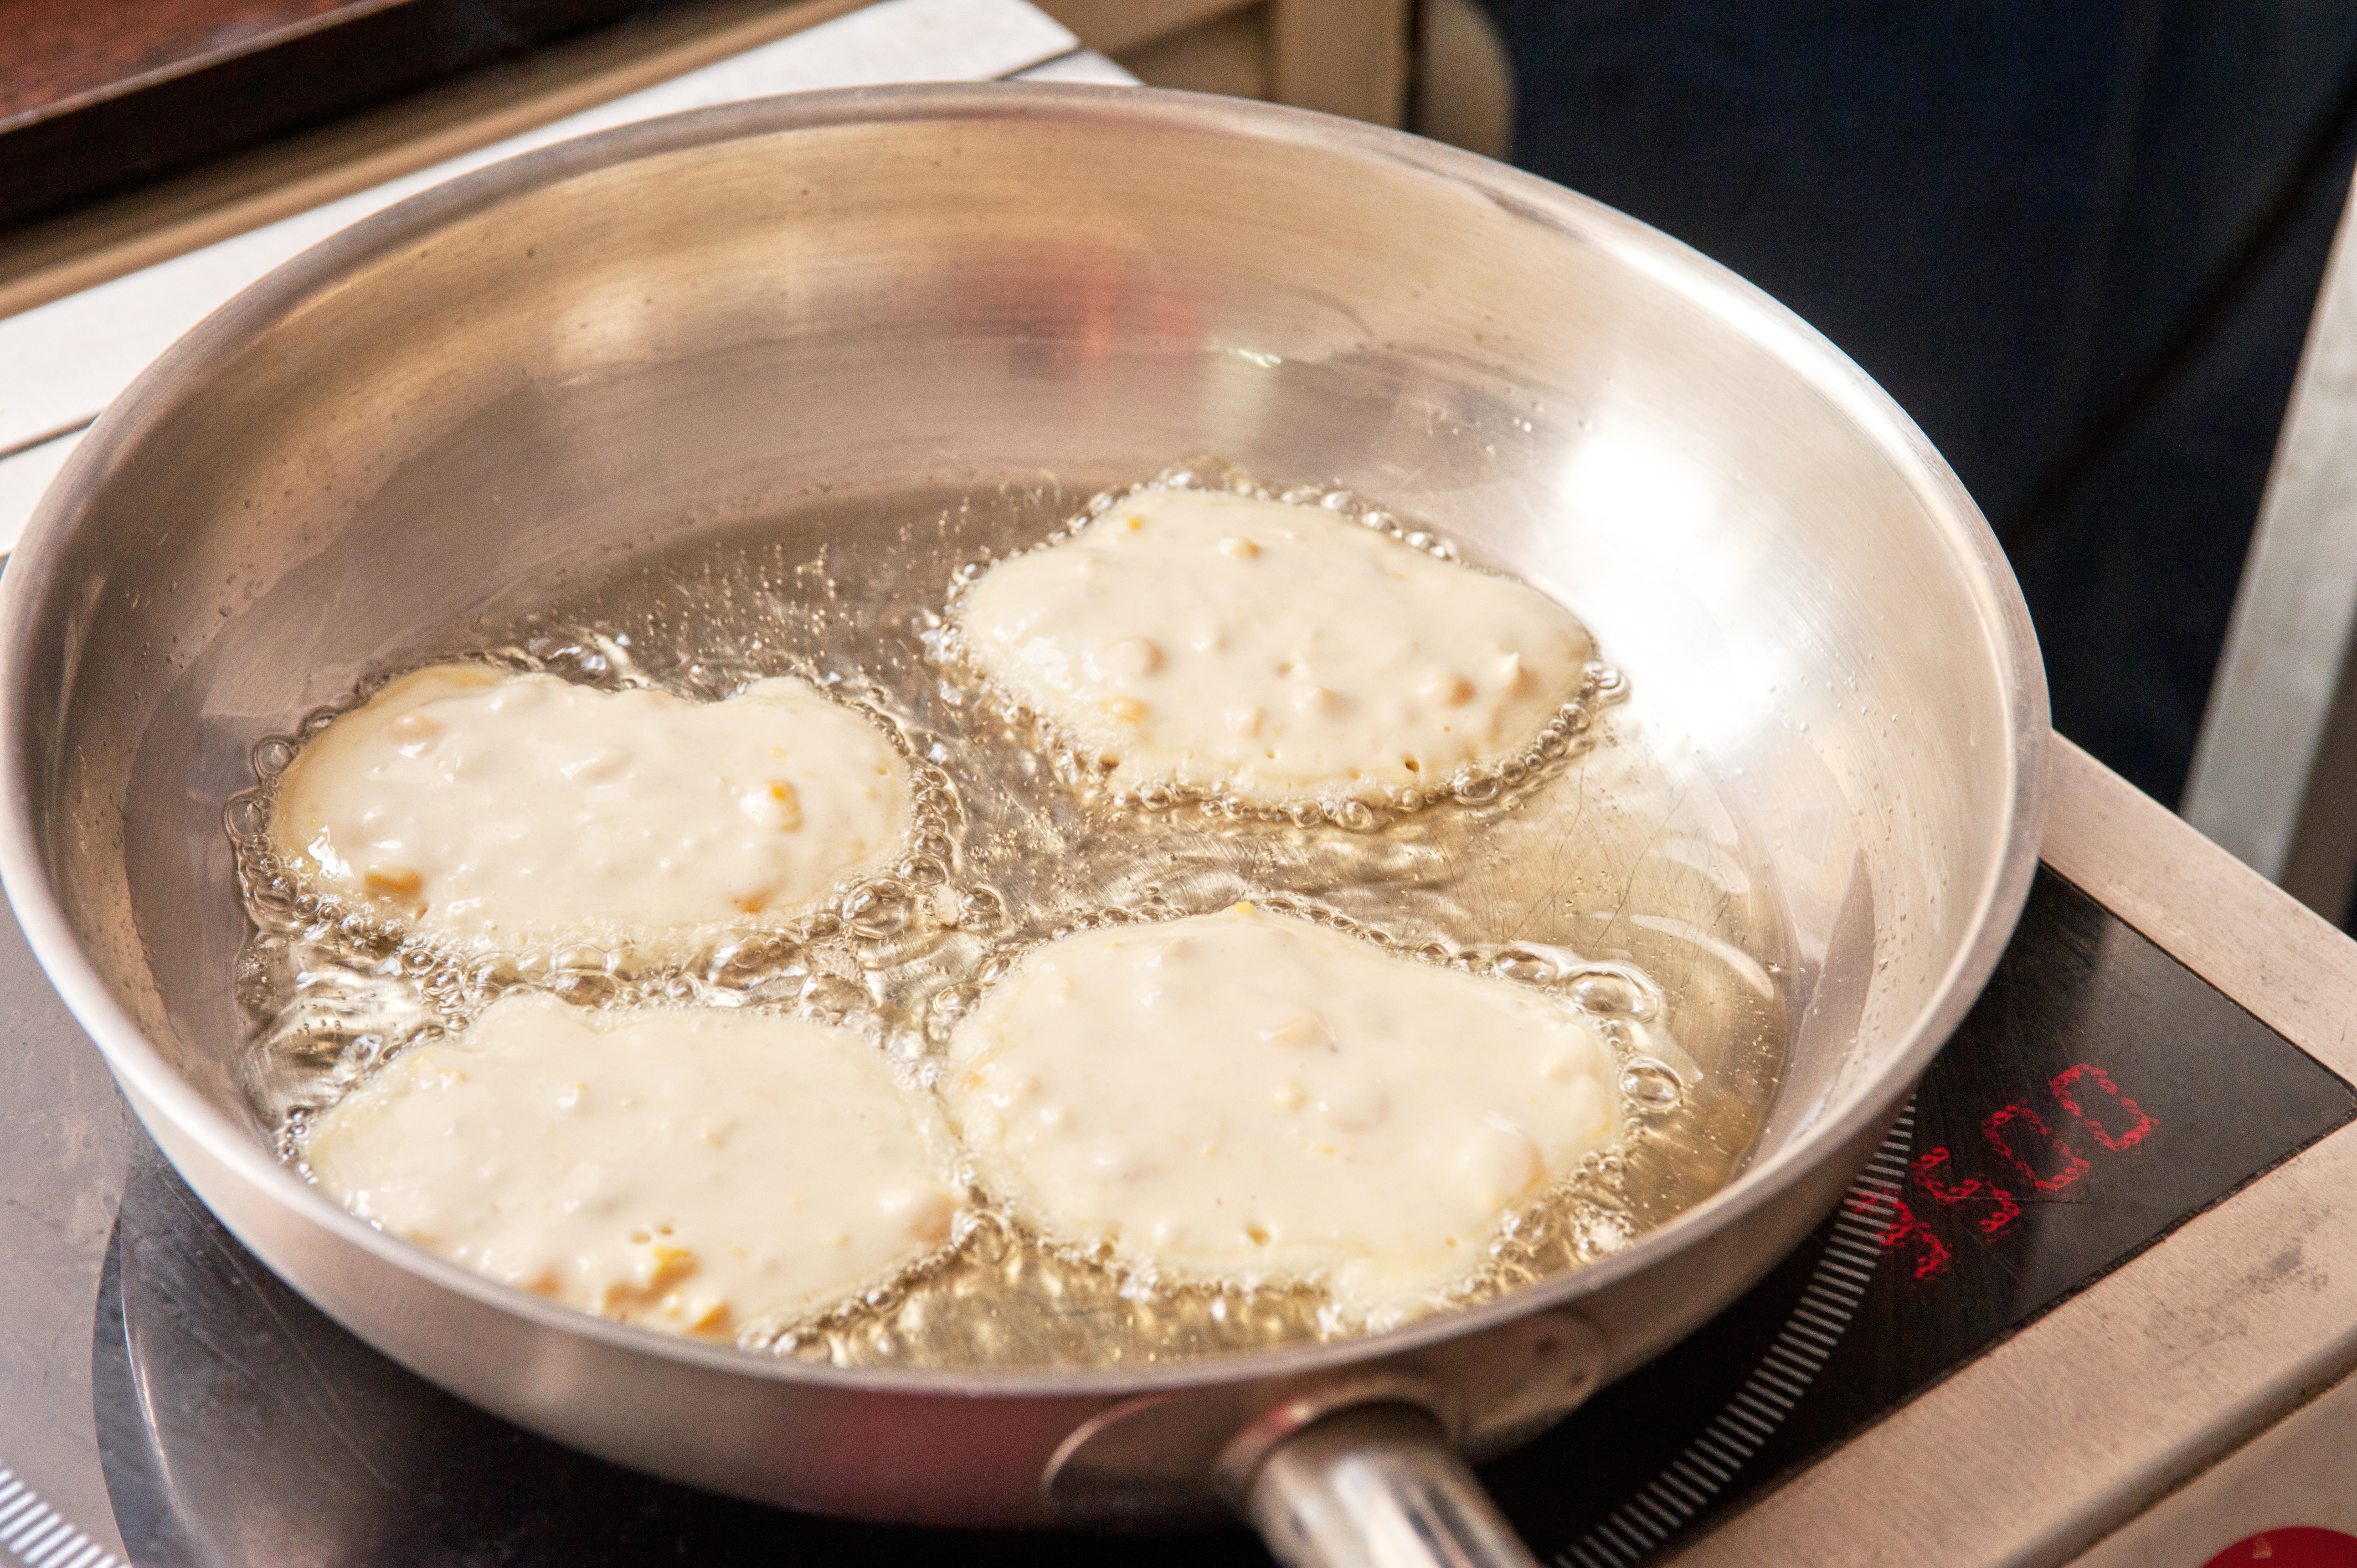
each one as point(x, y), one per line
point(1524, 965)
point(832, 997)
point(584, 988)
point(948, 1005)
point(247, 816)
point(1610, 993)
point(496, 976)
point(744, 964)
point(980, 909)
point(1475, 788)
point(1651, 1086)
point(880, 907)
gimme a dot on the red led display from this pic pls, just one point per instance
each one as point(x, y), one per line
point(2004, 1208)
point(2139, 1123)
point(1930, 1253)
point(2073, 1166)
point(2022, 1141)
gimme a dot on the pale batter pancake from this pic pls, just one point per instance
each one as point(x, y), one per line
point(1213, 640)
point(1240, 1096)
point(696, 1170)
point(510, 808)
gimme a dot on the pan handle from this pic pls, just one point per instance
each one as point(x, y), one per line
point(1377, 1486)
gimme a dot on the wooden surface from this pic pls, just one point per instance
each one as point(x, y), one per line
point(48, 259)
point(57, 56)
point(1117, 26)
point(101, 96)
point(1228, 54)
point(1345, 57)
point(65, 361)
point(102, 101)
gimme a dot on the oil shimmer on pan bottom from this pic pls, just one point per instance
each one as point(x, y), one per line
point(2073, 1120)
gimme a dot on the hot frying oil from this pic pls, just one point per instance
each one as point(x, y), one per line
point(1602, 867)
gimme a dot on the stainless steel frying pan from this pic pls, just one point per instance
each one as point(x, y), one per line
point(608, 345)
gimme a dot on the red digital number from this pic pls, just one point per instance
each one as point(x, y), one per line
point(2004, 1208)
point(1930, 1173)
point(2141, 1125)
point(1930, 1253)
point(2074, 1164)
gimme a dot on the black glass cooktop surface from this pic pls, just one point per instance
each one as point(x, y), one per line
point(2098, 1095)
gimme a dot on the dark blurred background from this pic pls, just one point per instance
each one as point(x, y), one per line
point(2079, 242)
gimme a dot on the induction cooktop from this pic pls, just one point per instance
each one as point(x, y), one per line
point(2098, 1096)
